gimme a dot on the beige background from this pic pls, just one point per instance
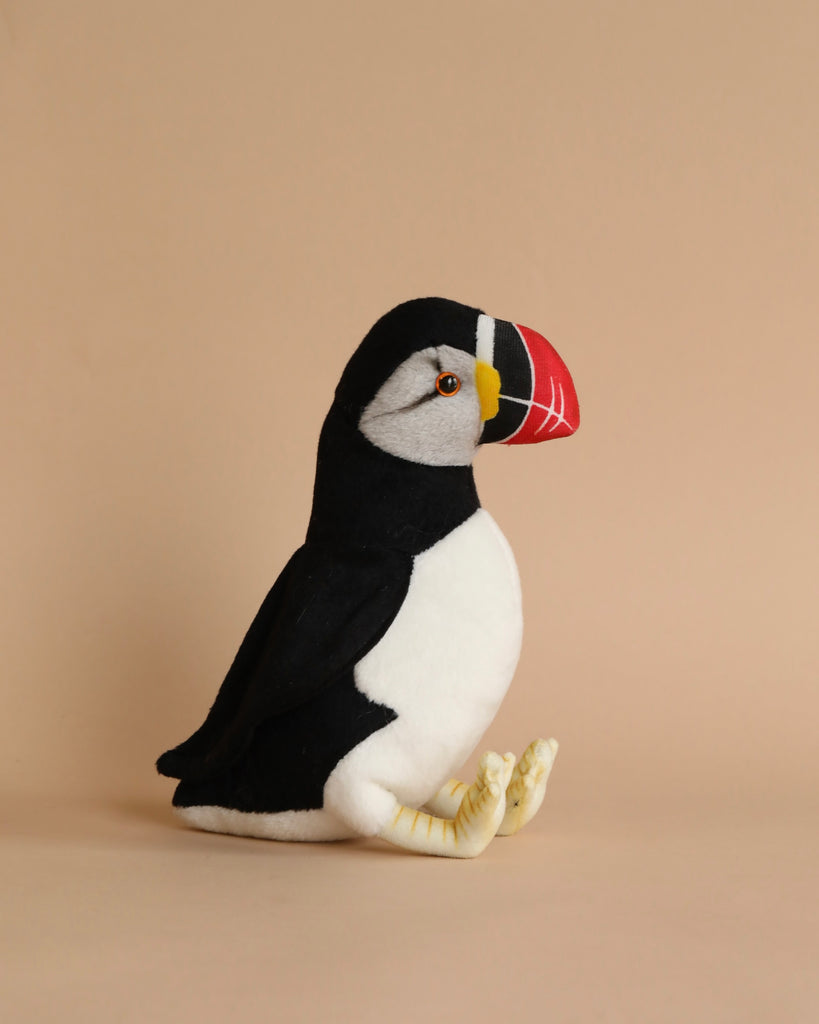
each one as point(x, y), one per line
point(204, 206)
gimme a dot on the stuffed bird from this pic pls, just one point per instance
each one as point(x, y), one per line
point(385, 647)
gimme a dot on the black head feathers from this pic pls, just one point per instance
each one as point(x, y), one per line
point(408, 328)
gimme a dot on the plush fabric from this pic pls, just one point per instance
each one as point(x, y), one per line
point(384, 648)
point(410, 327)
point(333, 605)
point(408, 420)
point(364, 496)
point(444, 666)
point(290, 826)
point(289, 757)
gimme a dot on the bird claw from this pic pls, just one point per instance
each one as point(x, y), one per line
point(527, 786)
point(483, 806)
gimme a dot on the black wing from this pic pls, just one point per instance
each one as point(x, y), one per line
point(326, 610)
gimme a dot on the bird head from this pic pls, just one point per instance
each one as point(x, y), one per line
point(433, 380)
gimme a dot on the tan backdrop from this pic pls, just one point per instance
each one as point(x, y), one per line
point(204, 206)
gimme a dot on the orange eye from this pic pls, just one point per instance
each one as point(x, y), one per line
point(448, 384)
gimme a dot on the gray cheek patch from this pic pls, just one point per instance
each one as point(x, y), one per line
point(409, 419)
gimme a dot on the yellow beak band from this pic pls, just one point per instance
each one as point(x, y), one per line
point(487, 381)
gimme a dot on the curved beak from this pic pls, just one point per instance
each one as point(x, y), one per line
point(537, 400)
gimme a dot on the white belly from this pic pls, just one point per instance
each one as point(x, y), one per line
point(444, 666)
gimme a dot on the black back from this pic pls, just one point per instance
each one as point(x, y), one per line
point(288, 709)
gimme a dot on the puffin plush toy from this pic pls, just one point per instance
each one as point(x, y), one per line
point(387, 644)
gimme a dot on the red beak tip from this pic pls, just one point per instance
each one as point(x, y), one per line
point(554, 410)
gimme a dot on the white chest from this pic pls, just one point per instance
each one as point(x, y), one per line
point(446, 661)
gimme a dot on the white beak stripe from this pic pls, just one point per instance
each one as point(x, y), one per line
point(485, 336)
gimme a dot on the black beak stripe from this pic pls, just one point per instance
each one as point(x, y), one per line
point(512, 361)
